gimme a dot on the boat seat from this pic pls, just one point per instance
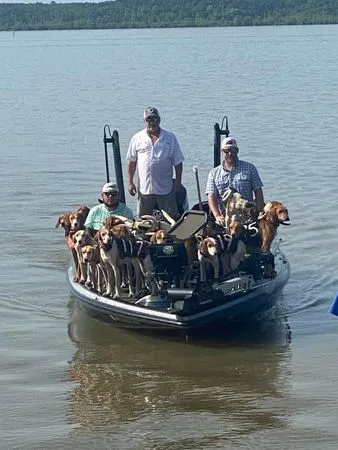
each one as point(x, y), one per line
point(189, 224)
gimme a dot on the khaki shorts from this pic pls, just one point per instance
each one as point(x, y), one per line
point(147, 204)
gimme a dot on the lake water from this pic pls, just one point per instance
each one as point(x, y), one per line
point(70, 382)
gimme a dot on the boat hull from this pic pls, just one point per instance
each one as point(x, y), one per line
point(240, 306)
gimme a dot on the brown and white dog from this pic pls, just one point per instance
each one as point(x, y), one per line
point(72, 222)
point(223, 252)
point(273, 215)
point(159, 237)
point(235, 228)
point(77, 218)
point(80, 239)
point(95, 273)
point(111, 221)
point(208, 254)
point(64, 222)
point(113, 257)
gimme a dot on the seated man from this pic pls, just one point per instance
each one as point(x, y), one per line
point(110, 206)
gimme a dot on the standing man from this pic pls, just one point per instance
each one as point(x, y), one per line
point(155, 152)
point(110, 206)
point(233, 173)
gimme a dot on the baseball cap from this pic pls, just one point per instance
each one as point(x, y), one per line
point(151, 112)
point(109, 187)
point(229, 142)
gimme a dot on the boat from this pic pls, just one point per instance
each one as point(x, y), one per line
point(181, 301)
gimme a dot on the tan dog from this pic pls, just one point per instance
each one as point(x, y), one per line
point(159, 237)
point(235, 228)
point(111, 221)
point(273, 215)
point(64, 222)
point(80, 239)
point(95, 273)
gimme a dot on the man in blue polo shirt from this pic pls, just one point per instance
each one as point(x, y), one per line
point(233, 173)
point(110, 206)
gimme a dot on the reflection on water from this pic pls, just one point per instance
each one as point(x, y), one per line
point(123, 376)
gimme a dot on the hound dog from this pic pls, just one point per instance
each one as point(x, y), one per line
point(208, 254)
point(223, 252)
point(64, 222)
point(84, 210)
point(273, 215)
point(235, 204)
point(72, 222)
point(160, 237)
point(114, 253)
point(95, 273)
point(111, 221)
point(237, 249)
point(77, 219)
point(80, 239)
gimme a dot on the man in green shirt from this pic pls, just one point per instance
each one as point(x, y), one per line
point(110, 206)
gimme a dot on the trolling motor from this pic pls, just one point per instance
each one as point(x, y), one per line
point(114, 140)
point(219, 131)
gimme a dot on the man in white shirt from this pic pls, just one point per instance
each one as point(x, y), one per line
point(154, 152)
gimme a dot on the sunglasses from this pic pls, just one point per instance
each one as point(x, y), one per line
point(233, 150)
point(110, 194)
point(152, 119)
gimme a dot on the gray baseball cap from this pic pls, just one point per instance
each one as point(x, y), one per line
point(151, 112)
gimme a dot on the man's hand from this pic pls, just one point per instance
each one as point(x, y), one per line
point(132, 189)
point(220, 220)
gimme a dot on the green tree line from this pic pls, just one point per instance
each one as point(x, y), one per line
point(165, 14)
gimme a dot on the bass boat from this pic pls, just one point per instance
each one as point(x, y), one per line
point(181, 301)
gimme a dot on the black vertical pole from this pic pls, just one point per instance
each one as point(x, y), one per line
point(118, 165)
point(105, 141)
point(217, 140)
point(217, 145)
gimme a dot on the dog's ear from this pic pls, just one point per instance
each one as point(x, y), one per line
point(58, 222)
point(199, 238)
point(272, 214)
point(202, 247)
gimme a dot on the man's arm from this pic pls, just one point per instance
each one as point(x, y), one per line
point(214, 208)
point(178, 175)
point(131, 168)
point(259, 199)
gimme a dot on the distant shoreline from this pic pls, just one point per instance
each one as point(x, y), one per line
point(138, 14)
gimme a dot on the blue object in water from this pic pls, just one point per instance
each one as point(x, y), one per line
point(334, 306)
